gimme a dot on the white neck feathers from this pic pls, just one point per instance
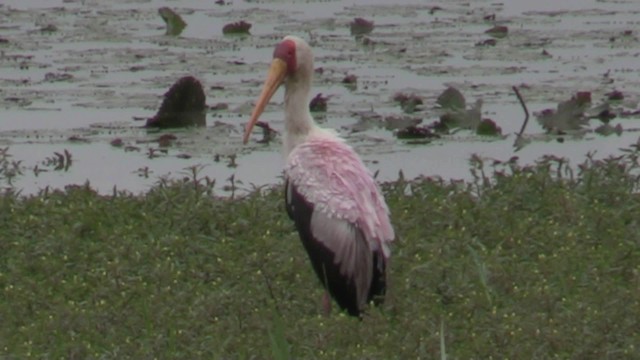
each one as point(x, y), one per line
point(298, 120)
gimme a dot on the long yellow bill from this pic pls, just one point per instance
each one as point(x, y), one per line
point(277, 72)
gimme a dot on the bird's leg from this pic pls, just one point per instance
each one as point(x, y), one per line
point(326, 303)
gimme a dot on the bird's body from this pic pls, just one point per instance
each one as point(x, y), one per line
point(338, 210)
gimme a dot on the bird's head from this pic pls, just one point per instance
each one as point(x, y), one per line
point(292, 62)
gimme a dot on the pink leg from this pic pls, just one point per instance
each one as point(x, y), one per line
point(326, 304)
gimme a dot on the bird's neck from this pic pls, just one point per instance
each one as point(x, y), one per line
point(298, 120)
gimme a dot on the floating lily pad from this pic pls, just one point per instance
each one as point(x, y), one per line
point(219, 106)
point(165, 140)
point(175, 24)
point(318, 103)
point(350, 81)
point(238, 28)
point(394, 122)
point(49, 28)
point(568, 116)
point(53, 77)
point(602, 112)
point(498, 31)
point(464, 119)
point(607, 129)
point(408, 102)
point(183, 105)
point(488, 127)
point(414, 132)
point(117, 142)
point(268, 133)
point(451, 99)
point(615, 95)
point(366, 41)
point(487, 42)
point(360, 26)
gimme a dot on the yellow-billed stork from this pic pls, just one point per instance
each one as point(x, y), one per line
point(338, 209)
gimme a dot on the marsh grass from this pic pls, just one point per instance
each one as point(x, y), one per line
point(536, 261)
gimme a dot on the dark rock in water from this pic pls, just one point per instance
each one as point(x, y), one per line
point(183, 105)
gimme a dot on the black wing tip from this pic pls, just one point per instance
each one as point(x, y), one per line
point(341, 288)
point(379, 282)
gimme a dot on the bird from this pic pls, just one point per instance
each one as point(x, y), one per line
point(337, 207)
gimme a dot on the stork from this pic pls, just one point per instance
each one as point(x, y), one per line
point(336, 205)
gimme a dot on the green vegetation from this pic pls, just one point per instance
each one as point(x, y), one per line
point(523, 262)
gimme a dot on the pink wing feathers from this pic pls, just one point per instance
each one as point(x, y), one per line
point(329, 174)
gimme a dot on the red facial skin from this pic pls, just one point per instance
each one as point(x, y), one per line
point(286, 51)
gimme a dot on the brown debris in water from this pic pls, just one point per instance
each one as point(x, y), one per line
point(433, 9)
point(49, 28)
point(415, 132)
point(615, 95)
point(183, 106)
point(166, 140)
point(487, 42)
point(360, 26)
point(219, 106)
point(498, 31)
point(117, 142)
point(241, 28)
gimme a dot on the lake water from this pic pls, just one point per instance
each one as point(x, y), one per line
point(107, 64)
